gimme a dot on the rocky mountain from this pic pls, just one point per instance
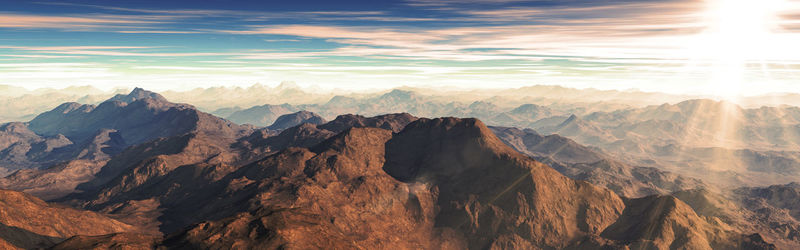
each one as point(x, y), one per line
point(297, 118)
point(261, 115)
point(393, 122)
point(324, 195)
point(696, 138)
point(70, 144)
point(779, 196)
point(752, 209)
point(583, 131)
point(582, 163)
point(139, 116)
point(181, 178)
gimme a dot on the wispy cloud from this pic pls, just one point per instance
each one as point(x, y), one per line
point(119, 51)
point(436, 3)
point(71, 22)
point(40, 56)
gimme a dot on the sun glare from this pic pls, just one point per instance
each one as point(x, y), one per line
point(739, 32)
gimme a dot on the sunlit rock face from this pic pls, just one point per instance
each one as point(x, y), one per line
point(27, 222)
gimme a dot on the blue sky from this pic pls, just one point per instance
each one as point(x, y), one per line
point(724, 47)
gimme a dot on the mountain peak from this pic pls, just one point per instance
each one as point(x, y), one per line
point(527, 108)
point(445, 136)
point(399, 94)
point(341, 101)
point(138, 94)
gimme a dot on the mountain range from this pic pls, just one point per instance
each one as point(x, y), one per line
point(150, 173)
point(696, 138)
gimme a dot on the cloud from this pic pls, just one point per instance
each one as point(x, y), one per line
point(71, 22)
point(40, 56)
point(158, 32)
point(60, 48)
point(435, 3)
point(119, 51)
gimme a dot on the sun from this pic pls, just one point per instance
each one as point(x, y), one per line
point(738, 33)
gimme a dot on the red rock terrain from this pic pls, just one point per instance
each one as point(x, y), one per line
point(355, 182)
point(28, 222)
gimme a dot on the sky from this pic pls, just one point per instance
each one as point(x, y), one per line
point(717, 47)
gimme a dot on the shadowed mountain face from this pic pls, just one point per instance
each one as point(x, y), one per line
point(139, 116)
point(71, 143)
point(353, 182)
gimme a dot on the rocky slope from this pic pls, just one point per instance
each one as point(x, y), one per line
point(27, 222)
point(748, 210)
